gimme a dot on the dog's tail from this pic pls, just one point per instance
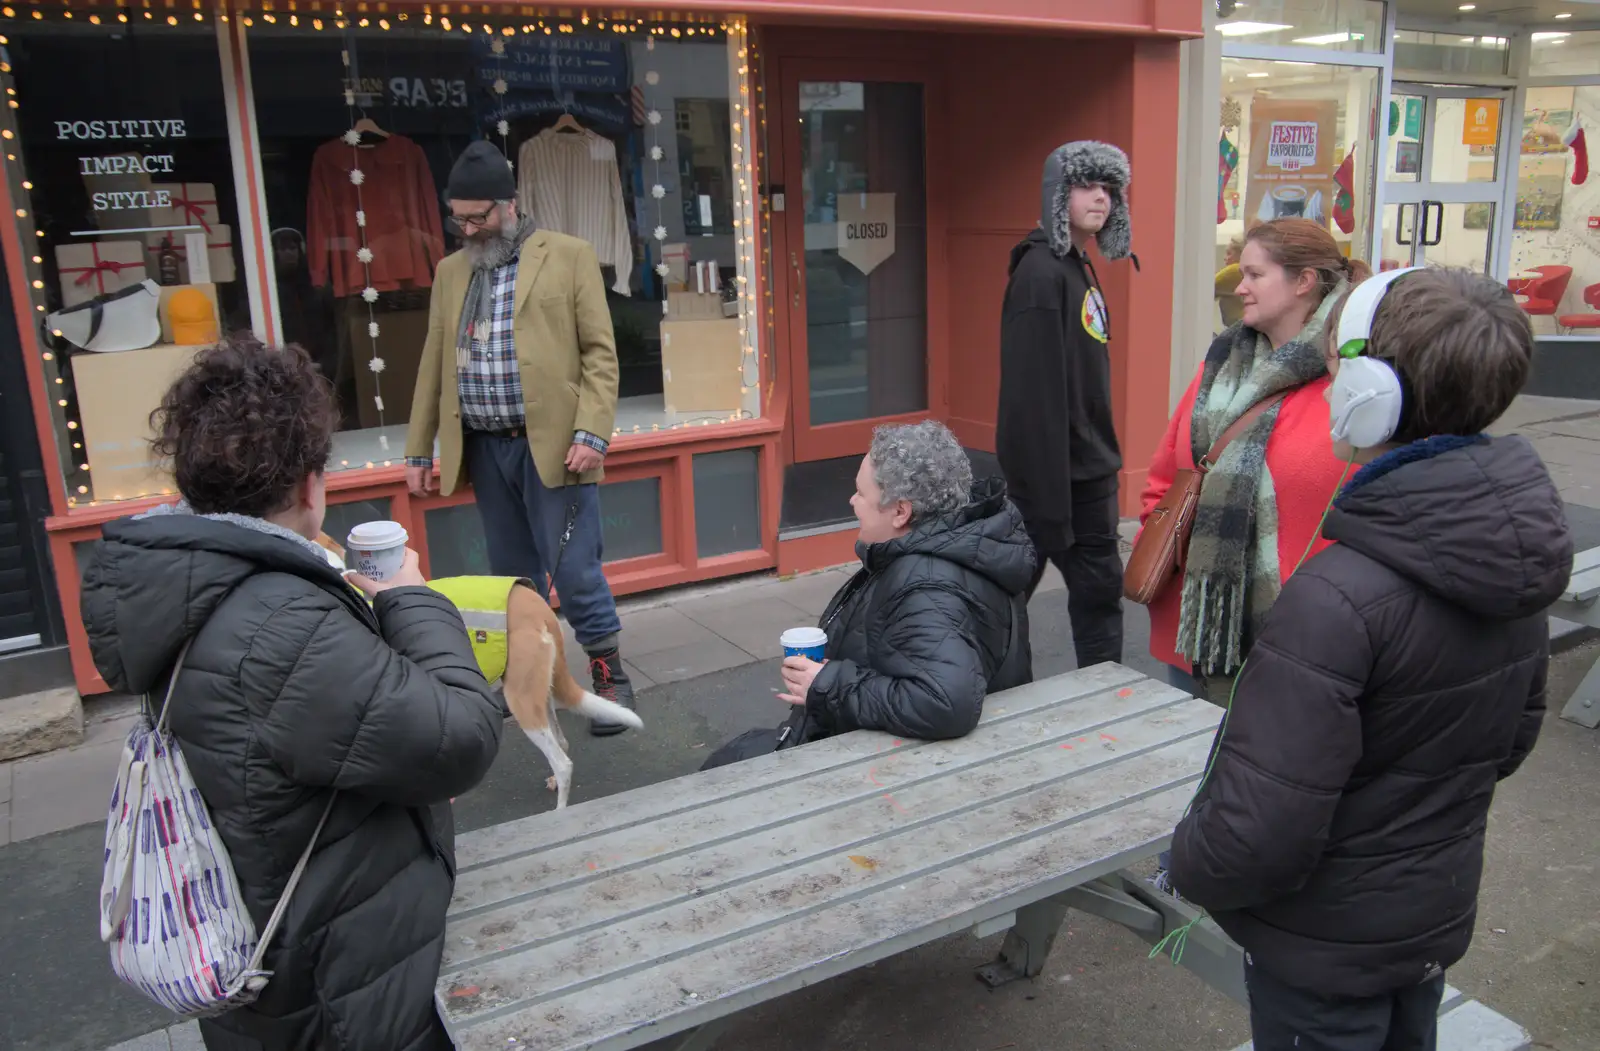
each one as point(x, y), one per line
point(594, 708)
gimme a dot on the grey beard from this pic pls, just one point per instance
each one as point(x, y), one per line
point(492, 253)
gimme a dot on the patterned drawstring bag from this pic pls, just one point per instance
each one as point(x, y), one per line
point(169, 901)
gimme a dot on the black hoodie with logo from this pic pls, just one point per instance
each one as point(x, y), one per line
point(1054, 427)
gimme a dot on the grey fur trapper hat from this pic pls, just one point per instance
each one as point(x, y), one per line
point(1083, 163)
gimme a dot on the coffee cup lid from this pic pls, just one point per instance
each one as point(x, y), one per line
point(803, 637)
point(378, 534)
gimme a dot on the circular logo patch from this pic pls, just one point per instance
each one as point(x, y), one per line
point(1094, 315)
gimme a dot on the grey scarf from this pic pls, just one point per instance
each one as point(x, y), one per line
point(1231, 576)
point(486, 257)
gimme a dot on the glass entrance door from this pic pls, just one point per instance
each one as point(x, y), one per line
point(1445, 176)
point(857, 233)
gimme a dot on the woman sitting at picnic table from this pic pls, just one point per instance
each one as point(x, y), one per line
point(935, 619)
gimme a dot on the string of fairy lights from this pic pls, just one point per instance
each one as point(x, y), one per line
point(752, 223)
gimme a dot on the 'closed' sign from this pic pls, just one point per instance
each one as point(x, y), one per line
point(866, 229)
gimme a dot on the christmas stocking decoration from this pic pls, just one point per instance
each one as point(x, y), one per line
point(1580, 152)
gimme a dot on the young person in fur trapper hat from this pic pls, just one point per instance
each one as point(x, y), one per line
point(1055, 439)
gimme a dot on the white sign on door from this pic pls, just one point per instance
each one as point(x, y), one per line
point(866, 229)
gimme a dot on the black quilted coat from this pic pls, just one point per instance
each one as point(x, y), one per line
point(294, 687)
point(932, 622)
point(1401, 675)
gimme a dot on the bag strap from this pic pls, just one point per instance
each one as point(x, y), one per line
point(1236, 428)
point(276, 919)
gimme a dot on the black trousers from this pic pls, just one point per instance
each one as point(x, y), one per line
point(1286, 1018)
point(1091, 564)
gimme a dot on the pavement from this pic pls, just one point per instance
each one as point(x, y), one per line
point(705, 662)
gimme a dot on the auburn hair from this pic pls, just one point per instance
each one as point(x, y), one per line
point(1300, 244)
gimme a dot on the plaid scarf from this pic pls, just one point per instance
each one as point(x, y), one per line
point(1231, 576)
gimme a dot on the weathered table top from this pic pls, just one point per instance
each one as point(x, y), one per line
point(623, 920)
point(1584, 586)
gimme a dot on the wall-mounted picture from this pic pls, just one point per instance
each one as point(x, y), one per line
point(1544, 119)
point(1407, 158)
point(1539, 189)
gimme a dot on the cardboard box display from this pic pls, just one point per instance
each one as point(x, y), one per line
point(676, 256)
point(93, 268)
point(702, 366)
point(193, 204)
point(102, 191)
point(692, 306)
point(166, 319)
point(116, 394)
point(219, 253)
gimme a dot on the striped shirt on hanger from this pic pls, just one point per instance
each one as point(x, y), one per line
point(569, 183)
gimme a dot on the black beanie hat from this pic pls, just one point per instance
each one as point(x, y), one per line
point(481, 173)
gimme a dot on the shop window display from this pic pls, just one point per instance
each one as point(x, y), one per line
point(122, 182)
point(631, 136)
point(1555, 245)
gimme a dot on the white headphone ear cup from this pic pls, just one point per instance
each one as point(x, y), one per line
point(1365, 402)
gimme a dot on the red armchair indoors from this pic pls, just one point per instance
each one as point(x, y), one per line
point(1567, 322)
point(1544, 292)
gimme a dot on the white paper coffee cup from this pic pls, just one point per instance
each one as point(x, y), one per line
point(804, 642)
point(377, 550)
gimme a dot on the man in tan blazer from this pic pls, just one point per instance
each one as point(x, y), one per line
point(518, 383)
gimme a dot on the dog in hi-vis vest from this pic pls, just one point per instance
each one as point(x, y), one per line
point(518, 644)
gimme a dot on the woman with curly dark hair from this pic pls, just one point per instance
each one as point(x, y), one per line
point(294, 687)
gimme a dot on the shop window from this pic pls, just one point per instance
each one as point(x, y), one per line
point(1330, 25)
point(1450, 53)
point(1559, 54)
point(727, 502)
point(1295, 142)
point(122, 182)
point(650, 117)
point(630, 522)
point(1555, 244)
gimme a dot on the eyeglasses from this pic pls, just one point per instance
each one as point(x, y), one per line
point(467, 223)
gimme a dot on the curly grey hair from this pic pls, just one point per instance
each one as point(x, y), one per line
point(921, 463)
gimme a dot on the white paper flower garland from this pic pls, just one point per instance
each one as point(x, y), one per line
point(658, 189)
point(369, 294)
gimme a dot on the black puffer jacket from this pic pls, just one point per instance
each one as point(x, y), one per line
point(932, 622)
point(1401, 674)
point(294, 686)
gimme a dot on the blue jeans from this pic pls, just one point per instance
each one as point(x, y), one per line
point(522, 524)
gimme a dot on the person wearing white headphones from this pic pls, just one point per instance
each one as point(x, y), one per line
point(1338, 833)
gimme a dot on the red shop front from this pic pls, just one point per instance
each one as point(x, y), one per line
point(760, 342)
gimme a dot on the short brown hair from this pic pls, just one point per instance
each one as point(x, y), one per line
point(1298, 245)
point(1461, 345)
point(244, 425)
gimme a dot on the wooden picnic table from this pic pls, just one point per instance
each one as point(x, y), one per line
point(1579, 604)
point(625, 920)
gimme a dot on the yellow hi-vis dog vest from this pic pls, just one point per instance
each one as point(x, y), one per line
point(483, 602)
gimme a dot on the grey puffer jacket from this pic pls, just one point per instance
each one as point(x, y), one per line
point(1401, 674)
point(932, 622)
point(295, 687)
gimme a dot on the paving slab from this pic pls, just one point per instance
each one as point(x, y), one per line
point(754, 626)
point(813, 591)
point(5, 782)
point(63, 790)
point(688, 662)
point(662, 628)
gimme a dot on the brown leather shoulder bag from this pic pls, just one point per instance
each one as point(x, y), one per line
point(1158, 554)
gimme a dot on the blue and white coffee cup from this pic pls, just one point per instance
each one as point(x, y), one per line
point(804, 642)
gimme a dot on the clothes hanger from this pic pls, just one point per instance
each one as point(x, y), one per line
point(568, 123)
point(367, 126)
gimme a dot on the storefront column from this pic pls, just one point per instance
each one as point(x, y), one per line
point(1139, 378)
point(1195, 237)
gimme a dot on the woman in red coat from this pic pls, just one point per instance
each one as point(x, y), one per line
point(1262, 503)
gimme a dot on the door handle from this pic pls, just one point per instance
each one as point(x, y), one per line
point(1400, 226)
point(1438, 224)
point(794, 261)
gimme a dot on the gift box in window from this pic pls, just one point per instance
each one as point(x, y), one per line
point(192, 204)
point(98, 267)
point(219, 255)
